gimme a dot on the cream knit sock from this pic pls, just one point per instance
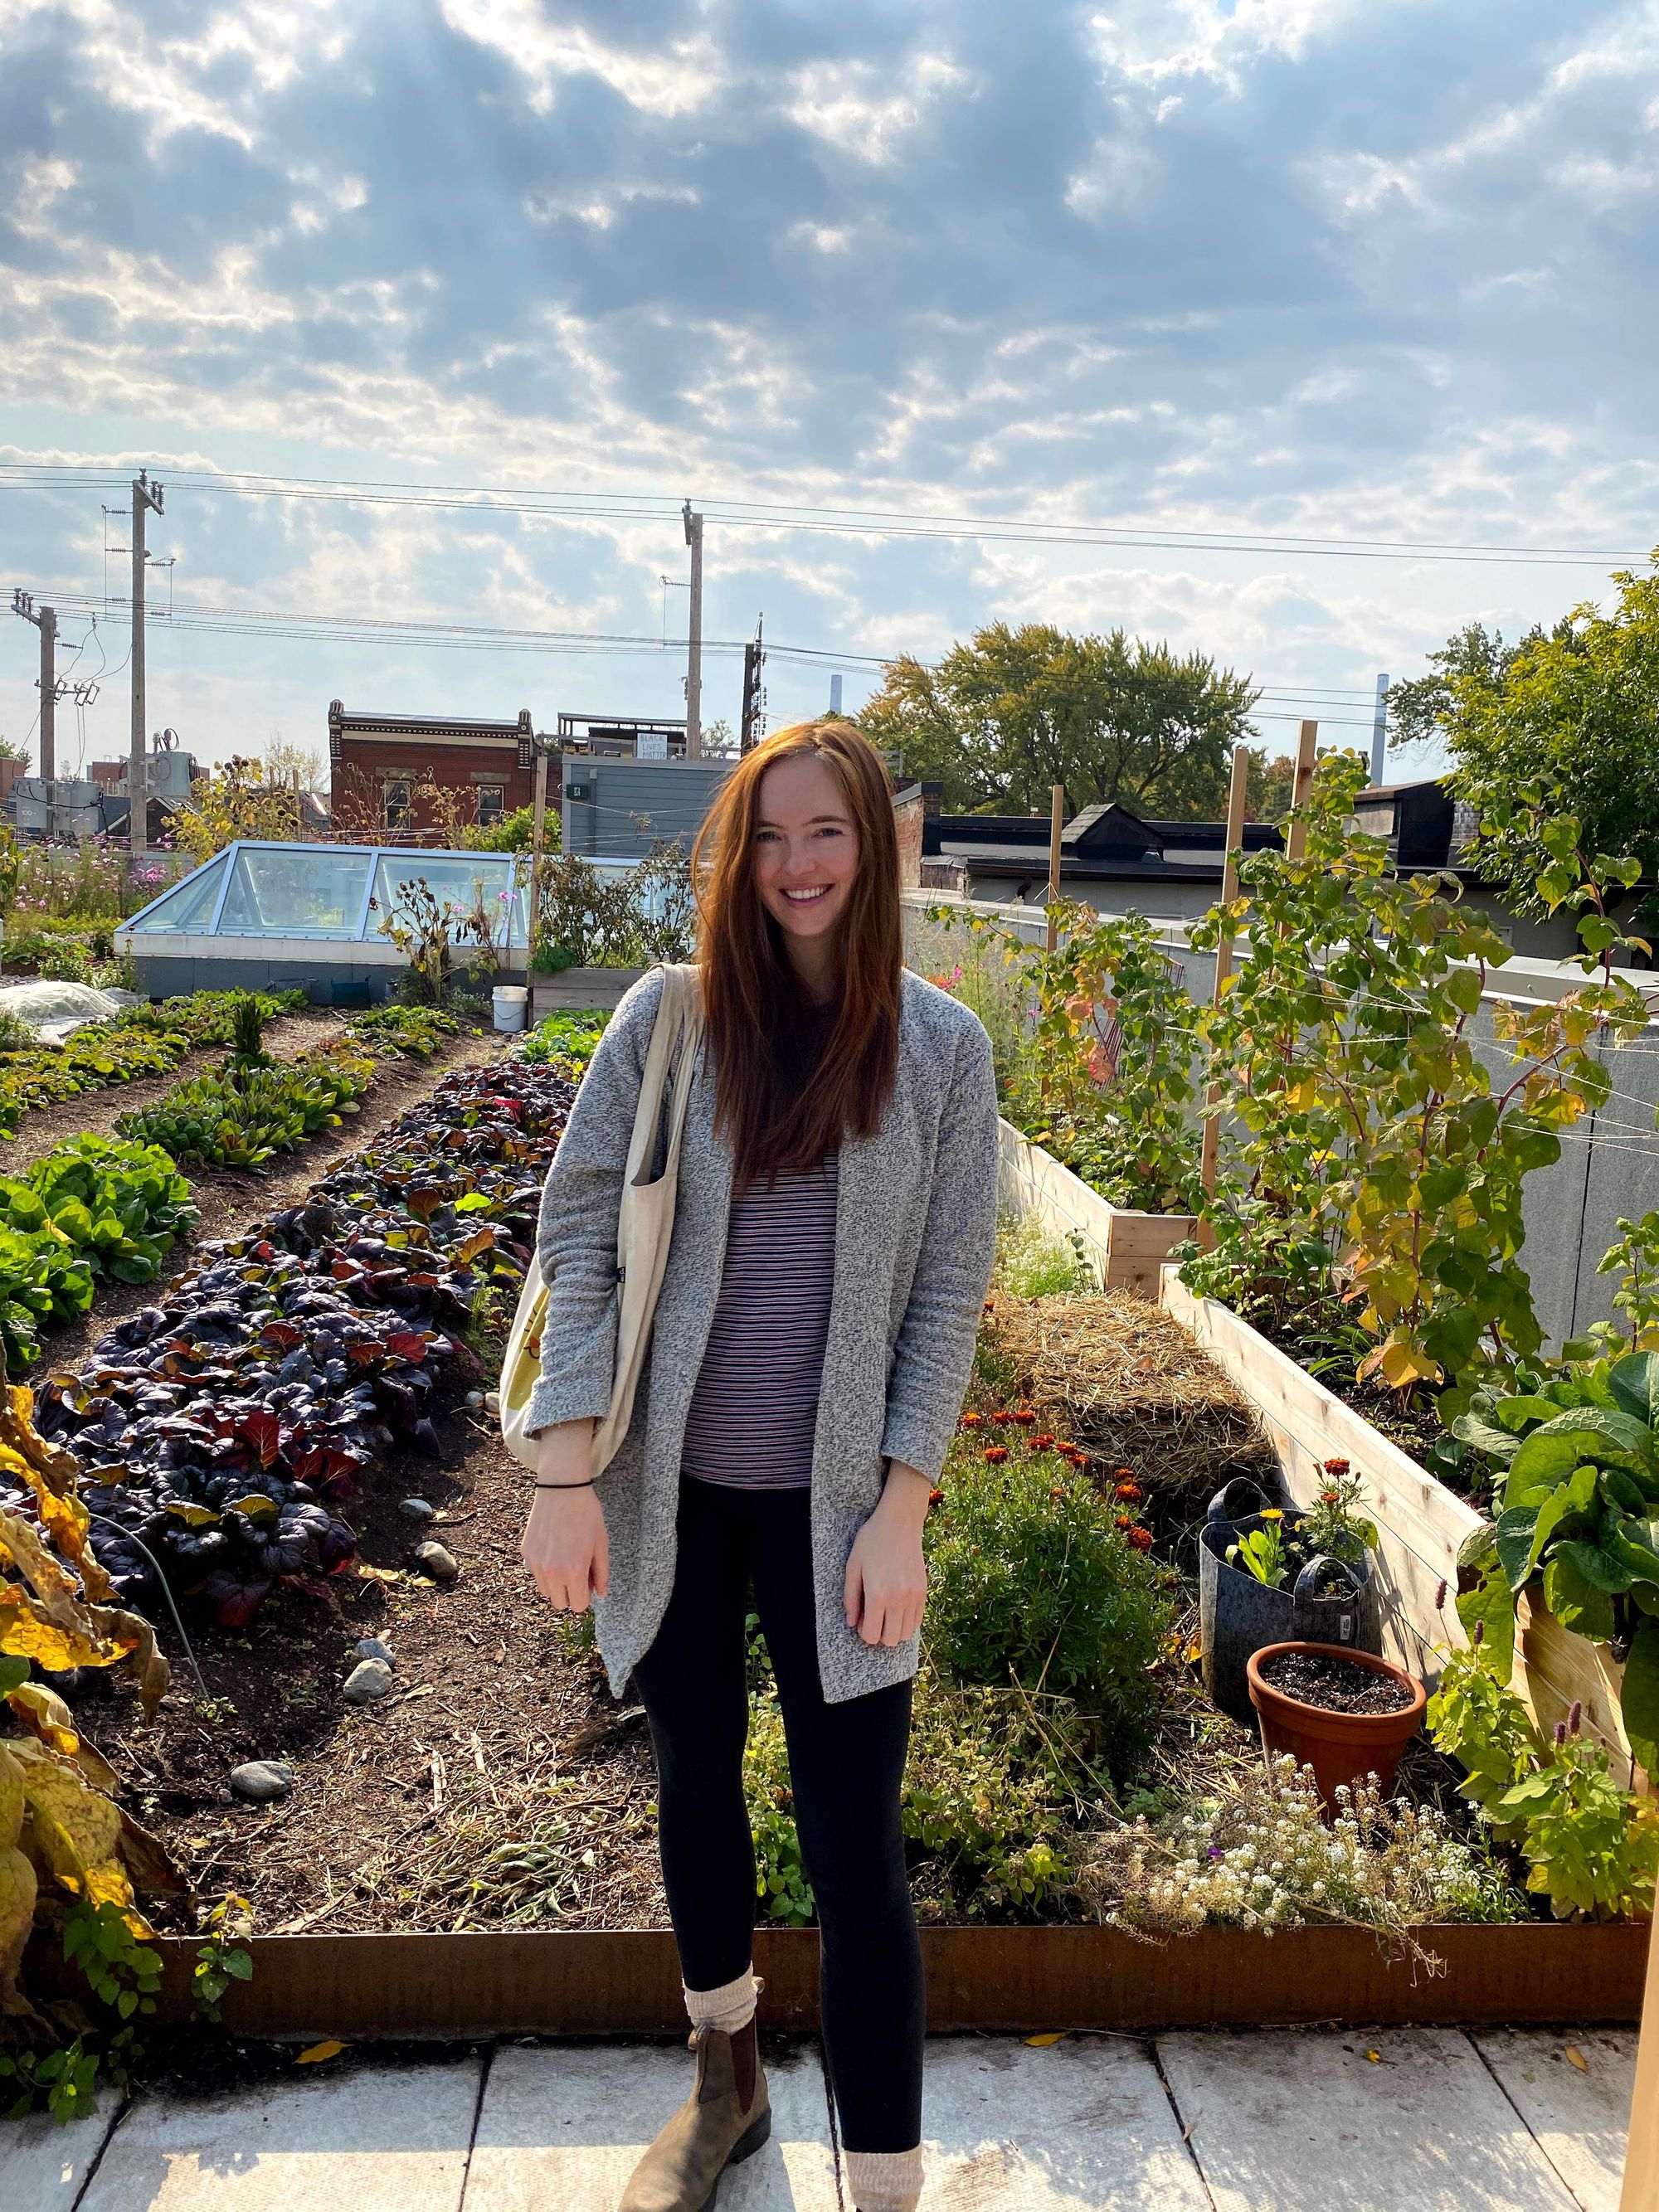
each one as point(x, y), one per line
point(884, 2180)
point(727, 2009)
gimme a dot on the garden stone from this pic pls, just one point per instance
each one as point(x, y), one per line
point(372, 1648)
point(368, 1680)
point(492, 1401)
point(263, 1781)
point(437, 1562)
point(419, 1511)
point(475, 1399)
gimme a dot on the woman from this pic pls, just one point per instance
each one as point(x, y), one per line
point(833, 1235)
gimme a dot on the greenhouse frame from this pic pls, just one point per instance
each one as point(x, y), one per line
point(266, 914)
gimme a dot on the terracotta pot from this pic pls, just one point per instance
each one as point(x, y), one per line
point(1341, 1749)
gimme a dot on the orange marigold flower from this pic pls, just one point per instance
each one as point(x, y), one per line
point(1126, 1520)
point(1141, 1539)
point(1043, 1443)
point(972, 1421)
point(936, 1496)
point(998, 1413)
point(1130, 1493)
point(1123, 1474)
point(1336, 1466)
point(1056, 1493)
point(997, 1454)
point(1024, 1416)
point(1330, 1497)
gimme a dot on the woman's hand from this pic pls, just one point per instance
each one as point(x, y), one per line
point(565, 1546)
point(886, 1578)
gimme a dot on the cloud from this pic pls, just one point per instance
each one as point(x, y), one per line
point(1291, 266)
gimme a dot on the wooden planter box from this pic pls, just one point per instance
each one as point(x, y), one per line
point(568, 990)
point(1420, 1526)
point(1010, 1979)
point(1127, 1249)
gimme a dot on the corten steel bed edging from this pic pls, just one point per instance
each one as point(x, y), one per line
point(1028, 1979)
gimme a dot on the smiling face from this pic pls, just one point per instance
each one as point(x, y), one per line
point(806, 858)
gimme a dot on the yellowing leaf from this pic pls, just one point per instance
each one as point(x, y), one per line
point(44, 1712)
point(1043, 2042)
point(18, 1888)
point(1376, 2058)
point(1403, 1362)
point(27, 1632)
point(76, 1833)
point(1574, 2057)
point(21, 1548)
point(11, 1800)
point(318, 2051)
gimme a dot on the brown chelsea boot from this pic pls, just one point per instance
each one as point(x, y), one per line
point(727, 2117)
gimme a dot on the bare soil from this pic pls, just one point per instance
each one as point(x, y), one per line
point(470, 1796)
point(501, 1735)
point(1333, 1684)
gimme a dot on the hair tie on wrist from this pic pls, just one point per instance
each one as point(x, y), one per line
point(589, 1484)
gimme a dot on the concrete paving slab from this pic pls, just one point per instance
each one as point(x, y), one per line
point(364, 2139)
point(42, 2166)
point(1291, 2120)
point(1579, 2117)
point(1083, 2125)
point(563, 2124)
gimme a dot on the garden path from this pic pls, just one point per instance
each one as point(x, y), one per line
point(1273, 2120)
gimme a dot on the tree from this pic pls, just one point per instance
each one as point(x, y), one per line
point(283, 761)
point(1002, 718)
point(1575, 709)
point(235, 799)
point(11, 750)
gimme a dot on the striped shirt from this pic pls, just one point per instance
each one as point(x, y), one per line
point(754, 1408)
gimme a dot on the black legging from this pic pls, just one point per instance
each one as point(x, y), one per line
point(845, 1763)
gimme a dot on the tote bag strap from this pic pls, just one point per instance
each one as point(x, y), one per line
point(678, 1023)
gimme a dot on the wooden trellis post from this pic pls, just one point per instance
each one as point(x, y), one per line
point(1056, 824)
point(1641, 2190)
point(1238, 793)
point(1307, 752)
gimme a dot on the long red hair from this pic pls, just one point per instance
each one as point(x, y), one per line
point(755, 1008)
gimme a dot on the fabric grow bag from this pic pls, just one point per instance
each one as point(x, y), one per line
point(1331, 1602)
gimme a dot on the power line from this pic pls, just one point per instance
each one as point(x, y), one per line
point(359, 630)
point(748, 513)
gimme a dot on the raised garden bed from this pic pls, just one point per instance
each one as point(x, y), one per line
point(1420, 1526)
point(626, 1982)
point(1127, 1250)
point(559, 990)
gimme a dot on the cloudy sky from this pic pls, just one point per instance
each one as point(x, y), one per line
point(1267, 271)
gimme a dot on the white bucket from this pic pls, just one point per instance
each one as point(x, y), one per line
point(512, 1006)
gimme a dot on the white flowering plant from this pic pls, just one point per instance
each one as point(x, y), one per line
point(1266, 1858)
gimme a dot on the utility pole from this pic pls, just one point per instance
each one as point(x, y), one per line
point(1380, 730)
point(754, 659)
point(694, 645)
point(46, 620)
point(145, 499)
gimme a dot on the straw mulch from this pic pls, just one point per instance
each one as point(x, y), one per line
point(1131, 1386)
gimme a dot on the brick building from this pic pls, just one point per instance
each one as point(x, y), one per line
point(382, 768)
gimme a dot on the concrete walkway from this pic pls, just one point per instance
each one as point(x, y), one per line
point(1279, 2120)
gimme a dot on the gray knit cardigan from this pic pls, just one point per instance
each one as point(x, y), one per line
point(916, 1234)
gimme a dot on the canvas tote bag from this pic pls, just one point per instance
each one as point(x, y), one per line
point(645, 1222)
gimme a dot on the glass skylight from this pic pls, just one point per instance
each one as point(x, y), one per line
point(334, 893)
